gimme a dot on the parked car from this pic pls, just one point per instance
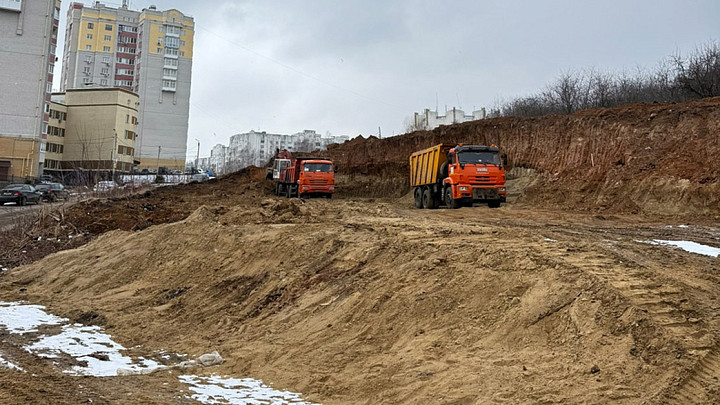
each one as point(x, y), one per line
point(200, 177)
point(52, 191)
point(105, 186)
point(20, 194)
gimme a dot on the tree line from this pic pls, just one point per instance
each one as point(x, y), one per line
point(677, 78)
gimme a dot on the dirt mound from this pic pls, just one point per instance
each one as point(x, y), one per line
point(642, 158)
point(354, 303)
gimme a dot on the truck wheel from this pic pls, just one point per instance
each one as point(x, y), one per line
point(429, 200)
point(328, 196)
point(494, 204)
point(418, 197)
point(288, 191)
point(449, 201)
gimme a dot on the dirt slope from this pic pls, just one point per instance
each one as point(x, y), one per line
point(355, 302)
point(658, 159)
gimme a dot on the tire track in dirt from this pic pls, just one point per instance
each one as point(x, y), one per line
point(694, 388)
point(667, 306)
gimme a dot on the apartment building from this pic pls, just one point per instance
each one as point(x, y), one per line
point(92, 133)
point(28, 37)
point(148, 52)
point(428, 119)
point(256, 148)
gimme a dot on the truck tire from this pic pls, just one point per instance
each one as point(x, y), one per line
point(22, 201)
point(494, 204)
point(449, 201)
point(288, 191)
point(429, 200)
point(418, 196)
point(328, 196)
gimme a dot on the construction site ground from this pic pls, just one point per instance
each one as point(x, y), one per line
point(370, 301)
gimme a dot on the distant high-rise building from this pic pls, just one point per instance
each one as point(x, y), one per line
point(148, 52)
point(28, 36)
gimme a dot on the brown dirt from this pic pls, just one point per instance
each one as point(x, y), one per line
point(369, 301)
point(652, 159)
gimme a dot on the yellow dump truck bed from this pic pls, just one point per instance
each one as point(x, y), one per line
point(425, 164)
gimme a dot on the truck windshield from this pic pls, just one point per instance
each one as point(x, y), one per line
point(317, 167)
point(491, 158)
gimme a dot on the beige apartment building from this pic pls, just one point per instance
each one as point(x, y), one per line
point(92, 133)
point(148, 52)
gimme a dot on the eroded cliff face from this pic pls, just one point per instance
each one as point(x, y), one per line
point(641, 158)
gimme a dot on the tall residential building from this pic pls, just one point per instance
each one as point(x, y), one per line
point(148, 52)
point(28, 35)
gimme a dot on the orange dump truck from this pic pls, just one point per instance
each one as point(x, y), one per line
point(304, 177)
point(457, 175)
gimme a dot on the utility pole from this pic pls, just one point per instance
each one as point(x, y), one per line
point(379, 132)
point(114, 154)
point(157, 170)
point(197, 158)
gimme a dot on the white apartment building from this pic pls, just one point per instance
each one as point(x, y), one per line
point(28, 37)
point(256, 148)
point(429, 120)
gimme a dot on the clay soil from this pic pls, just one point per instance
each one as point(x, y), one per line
point(366, 300)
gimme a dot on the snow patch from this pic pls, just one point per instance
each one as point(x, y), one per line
point(7, 364)
point(246, 391)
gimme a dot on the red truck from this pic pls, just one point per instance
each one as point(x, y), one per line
point(458, 175)
point(303, 177)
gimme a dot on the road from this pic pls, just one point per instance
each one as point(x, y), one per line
point(11, 214)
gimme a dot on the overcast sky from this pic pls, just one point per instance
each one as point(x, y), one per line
point(348, 67)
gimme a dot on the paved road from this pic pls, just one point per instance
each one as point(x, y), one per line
point(12, 214)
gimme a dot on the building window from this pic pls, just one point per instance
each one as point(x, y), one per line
point(106, 49)
point(86, 70)
point(182, 53)
point(105, 71)
point(182, 43)
point(130, 134)
point(89, 36)
point(103, 82)
point(88, 58)
point(170, 72)
point(160, 29)
point(51, 68)
point(86, 80)
point(91, 26)
point(106, 60)
point(171, 42)
point(88, 47)
point(108, 38)
point(108, 27)
point(127, 118)
point(48, 88)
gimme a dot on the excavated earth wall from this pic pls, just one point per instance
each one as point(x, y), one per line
point(658, 159)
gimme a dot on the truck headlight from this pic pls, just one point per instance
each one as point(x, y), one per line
point(305, 188)
point(502, 189)
point(463, 188)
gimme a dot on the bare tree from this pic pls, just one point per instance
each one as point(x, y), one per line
point(699, 73)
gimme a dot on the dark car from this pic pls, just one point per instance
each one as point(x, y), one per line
point(20, 194)
point(52, 191)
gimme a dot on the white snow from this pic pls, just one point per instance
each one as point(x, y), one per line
point(8, 364)
point(87, 344)
point(688, 246)
point(246, 391)
point(19, 318)
point(81, 342)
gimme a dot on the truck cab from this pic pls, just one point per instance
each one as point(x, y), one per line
point(307, 177)
point(474, 174)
